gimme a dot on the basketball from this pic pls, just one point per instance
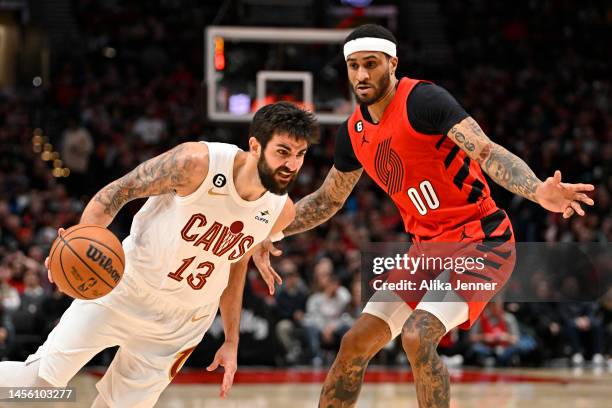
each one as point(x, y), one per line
point(86, 261)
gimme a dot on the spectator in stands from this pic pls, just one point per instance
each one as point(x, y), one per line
point(76, 147)
point(496, 338)
point(544, 319)
point(8, 294)
point(452, 347)
point(323, 320)
point(33, 293)
point(583, 331)
point(291, 305)
point(321, 271)
point(150, 127)
point(7, 333)
point(604, 314)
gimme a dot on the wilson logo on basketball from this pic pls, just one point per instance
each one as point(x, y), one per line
point(96, 255)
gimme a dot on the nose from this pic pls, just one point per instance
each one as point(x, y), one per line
point(362, 74)
point(292, 163)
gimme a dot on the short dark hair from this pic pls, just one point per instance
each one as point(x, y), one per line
point(371, 30)
point(284, 117)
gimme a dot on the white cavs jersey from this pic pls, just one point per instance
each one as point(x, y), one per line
point(178, 259)
point(182, 247)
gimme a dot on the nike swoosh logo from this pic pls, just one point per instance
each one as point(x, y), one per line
point(211, 192)
point(195, 319)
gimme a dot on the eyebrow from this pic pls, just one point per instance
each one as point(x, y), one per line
point(286, 147)
point(352, 59)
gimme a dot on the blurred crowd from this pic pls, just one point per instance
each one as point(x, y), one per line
point(535, 77)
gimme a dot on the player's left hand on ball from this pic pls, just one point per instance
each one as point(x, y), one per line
point(49, 276)
point(227, 357)
point(564, 198)
point(261, 258)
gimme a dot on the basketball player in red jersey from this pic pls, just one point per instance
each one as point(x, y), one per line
point(419, 145)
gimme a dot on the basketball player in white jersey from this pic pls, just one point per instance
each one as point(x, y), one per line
point(186, 256)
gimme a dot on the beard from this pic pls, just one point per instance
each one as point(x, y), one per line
point(379, 91)
point(268, 179)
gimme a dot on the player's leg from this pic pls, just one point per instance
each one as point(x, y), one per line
point(20, 374)
point(85, 329)
point(380, 323)
point(423, 330)
point(136, 377)
point(132, 381)
point(149, 360)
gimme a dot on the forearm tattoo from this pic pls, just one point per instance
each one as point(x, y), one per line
point(318, 207)
point(159, 175)
point(504, 167)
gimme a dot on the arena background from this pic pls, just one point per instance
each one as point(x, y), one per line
point(91, 88)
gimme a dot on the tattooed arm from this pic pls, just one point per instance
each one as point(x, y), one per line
point(512, 173)
point(310, 211)
point(180, 170)
point(321, 205)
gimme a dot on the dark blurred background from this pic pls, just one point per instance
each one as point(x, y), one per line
point(91, 88)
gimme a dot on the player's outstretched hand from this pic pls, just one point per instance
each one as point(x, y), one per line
point(564, 198)
point(59, 232)
point(261, 258)
point(227, 357)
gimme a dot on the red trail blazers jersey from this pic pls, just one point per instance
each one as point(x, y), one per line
point(434, 184)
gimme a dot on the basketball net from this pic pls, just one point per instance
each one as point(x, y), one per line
point(270, 99)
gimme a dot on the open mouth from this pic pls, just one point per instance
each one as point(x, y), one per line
point(285, 176)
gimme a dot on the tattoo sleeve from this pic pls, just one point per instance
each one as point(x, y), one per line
point(318, 207)
point(159, 175)
point(504, 167)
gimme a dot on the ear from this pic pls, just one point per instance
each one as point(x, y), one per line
point(254, 146)
point(392, 65)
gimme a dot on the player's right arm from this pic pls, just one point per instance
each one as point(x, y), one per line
point(321, 205)
point(512, 173)
point(179, 170)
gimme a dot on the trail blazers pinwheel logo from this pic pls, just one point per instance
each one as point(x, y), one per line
point(389, 168)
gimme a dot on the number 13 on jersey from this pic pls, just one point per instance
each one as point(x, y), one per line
point(198, 280)
point(425, 199)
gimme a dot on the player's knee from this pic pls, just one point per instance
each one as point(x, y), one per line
point(419, 339)
point(411, 342)
point(357, 343)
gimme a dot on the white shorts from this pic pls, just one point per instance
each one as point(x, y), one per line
point(154, 338)
point(448, 307)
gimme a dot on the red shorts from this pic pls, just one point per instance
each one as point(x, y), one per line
point(488, 243)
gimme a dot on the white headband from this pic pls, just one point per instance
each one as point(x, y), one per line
point(369, 44)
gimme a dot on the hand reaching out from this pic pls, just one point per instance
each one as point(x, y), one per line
point(564, 198)
point(227, 357)
point(261, 258)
